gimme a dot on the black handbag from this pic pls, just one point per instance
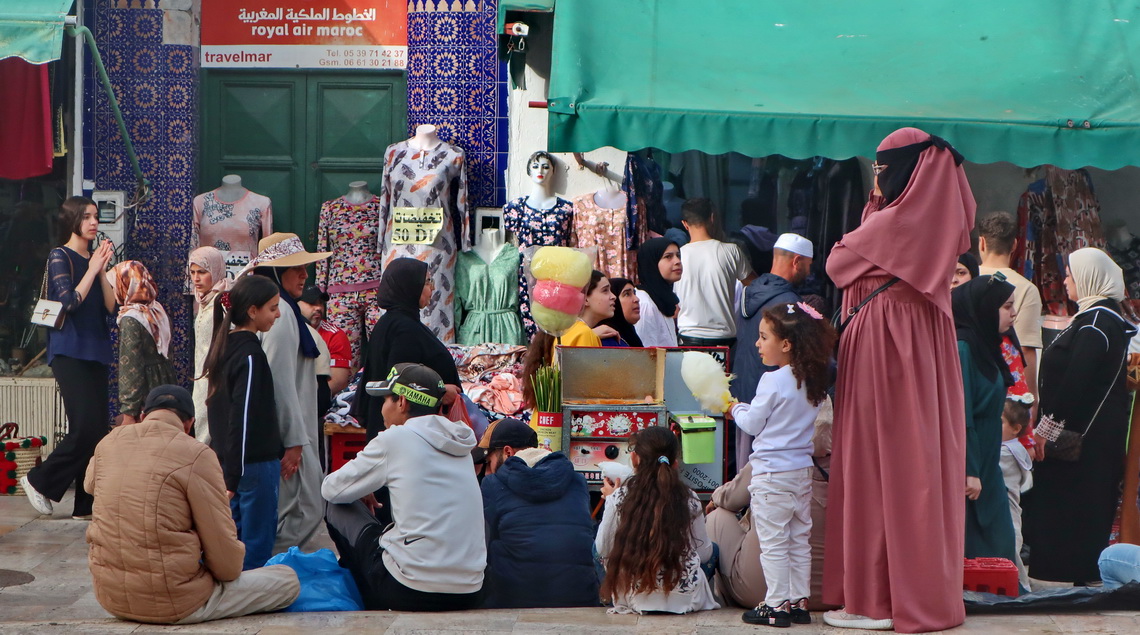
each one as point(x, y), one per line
point(1060, 442)
point(838, 320)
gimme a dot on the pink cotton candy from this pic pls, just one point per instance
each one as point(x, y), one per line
point(558, 297)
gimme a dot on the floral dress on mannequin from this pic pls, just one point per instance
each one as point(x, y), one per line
point(351, 275)
point(424, 215)
point(536, 228)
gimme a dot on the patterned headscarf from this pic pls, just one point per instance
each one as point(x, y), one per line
point(136, 293)
point(213, 261)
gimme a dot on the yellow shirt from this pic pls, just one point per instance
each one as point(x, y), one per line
point(579, 335)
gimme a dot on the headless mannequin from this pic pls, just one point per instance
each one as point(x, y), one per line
point(426, 138)
point(358, 193)
point(610, 198)
point(231, 189)
point(489, 244)
point(541, 197)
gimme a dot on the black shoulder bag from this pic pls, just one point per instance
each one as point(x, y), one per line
point(840, 323)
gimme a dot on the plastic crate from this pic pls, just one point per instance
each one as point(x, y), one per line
point(343, 447)
point(990, 575)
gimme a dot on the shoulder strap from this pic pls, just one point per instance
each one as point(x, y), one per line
point(855, 309)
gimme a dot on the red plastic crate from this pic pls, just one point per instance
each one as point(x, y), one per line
point(990, 575)
point(343, 447)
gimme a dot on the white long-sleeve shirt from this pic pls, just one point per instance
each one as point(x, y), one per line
point(782, 420)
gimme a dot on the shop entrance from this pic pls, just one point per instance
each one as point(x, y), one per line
point(299, 137)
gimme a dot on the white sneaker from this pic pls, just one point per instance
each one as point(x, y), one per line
point(38, 500)
point(843, 619)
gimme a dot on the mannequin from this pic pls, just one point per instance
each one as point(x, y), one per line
point(486, 303)
point(602, 220)
point(348, 227)
point(424, 214)
point(358, 193)
point(610, 198)
point(538, 219)
point(232, 219)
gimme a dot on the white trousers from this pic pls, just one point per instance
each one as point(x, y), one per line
point(261, 590)
point(781, 512)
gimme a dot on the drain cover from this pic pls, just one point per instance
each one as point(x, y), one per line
point(9, 577)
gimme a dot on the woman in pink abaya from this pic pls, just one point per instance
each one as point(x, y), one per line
point(895, 523)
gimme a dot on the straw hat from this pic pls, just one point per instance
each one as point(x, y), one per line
point(280, 249)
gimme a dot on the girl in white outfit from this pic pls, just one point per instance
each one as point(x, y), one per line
point(781, 417)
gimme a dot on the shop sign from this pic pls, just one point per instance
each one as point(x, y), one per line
point(332, 34)
point(416, 225)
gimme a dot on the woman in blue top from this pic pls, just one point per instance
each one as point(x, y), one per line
point(79, 353)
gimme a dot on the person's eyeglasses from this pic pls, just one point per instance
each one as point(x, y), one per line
point(878, 168)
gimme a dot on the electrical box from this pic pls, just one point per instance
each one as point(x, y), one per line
point(112, 215)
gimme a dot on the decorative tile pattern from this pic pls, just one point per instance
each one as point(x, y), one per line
point(457, 83)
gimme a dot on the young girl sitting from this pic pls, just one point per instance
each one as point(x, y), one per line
point(781, 417)
point(1016, 468)
point(243, 413)
point(652, 539)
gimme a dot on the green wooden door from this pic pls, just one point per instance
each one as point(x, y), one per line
point(299, 137)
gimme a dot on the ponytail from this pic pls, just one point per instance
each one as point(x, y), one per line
point(248, 292)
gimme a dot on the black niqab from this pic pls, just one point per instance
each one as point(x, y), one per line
point(618, 322)
point(659, 290)
point(899, 164)
point(976, 305)
point(401, 285)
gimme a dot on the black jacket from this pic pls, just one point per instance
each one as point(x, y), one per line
point(540, 536)
point(398, 338)
point(765, 291)
point(243, 411)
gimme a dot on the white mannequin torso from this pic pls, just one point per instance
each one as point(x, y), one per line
point(231, 189)
point(358, 193)
point(426, 138)
point(610, 199)
point(490, 242)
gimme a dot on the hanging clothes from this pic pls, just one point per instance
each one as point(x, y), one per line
point(350, 276)
point(26, 143)
point(645, 195)
point(231, 227)
point(424, 215)
point(486, 303)
point(534, 227)
point(605, 229)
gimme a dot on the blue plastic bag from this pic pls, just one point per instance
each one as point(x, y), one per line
point(325, 586)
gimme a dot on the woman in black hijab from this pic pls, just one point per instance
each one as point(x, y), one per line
point(658, 267)
point(628, 306)
point(983, 310)
point(399, 337)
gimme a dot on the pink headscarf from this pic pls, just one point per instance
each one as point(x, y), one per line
point(212, 260)
point(136, 293)
point(919, 236)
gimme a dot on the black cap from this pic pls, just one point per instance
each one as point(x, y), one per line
point(508, 432)
point(415, 382)
point(170, 397)
point(313, 295)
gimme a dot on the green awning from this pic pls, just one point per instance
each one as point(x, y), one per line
point(1003, 80)
point(543, 6)
point(32, 29)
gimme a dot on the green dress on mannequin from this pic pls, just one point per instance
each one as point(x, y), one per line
point(487, 298)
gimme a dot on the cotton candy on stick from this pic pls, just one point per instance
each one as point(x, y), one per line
point(559, 273)
point(706, 379)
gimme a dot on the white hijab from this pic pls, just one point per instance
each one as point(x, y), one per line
point(1096, 277)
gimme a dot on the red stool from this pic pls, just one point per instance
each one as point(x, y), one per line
point(343, 447)
point(990, 575)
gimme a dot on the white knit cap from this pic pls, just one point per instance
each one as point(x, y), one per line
point(796, 244)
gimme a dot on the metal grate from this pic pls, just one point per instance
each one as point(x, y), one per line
point(35, 404)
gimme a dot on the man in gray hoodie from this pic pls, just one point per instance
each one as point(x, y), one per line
point(791, 262)
point(433, 555)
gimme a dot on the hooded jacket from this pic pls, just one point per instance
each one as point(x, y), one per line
point(765, 291)
point(540, 536)
point(436, 542)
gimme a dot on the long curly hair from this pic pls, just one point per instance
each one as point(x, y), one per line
point(654, 528)
point(812, 339)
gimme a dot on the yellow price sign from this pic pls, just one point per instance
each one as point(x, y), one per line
point(416, 225)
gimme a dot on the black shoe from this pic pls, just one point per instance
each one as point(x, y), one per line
point(768, 616)
point(800, 613)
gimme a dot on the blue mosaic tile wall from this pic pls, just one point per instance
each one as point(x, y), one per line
point(457, 83)
point(157, 88)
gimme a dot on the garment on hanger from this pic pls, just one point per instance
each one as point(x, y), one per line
point(487, 300)
point(1129, 260)
point(351, 275)
point(605, 229)
point(644, 192)
point(536, 228)
point(232, 227)
point(424, 215)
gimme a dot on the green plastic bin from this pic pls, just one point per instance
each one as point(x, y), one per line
point(698, 438)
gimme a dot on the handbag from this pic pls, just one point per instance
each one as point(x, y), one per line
point(837, 320)
point(49, 313)
point(1064, 444)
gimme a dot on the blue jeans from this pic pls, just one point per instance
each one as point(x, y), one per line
point(1119, 565)
point(254, 507)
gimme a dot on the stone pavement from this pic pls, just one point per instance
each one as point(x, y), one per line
point(60, 600)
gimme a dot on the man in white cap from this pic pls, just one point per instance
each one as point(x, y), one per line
point(791, 262)
point(707, 286)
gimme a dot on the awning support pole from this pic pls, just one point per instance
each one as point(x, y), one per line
point(85, 33)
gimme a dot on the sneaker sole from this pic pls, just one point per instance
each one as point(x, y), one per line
point(31, 493)
point(765, 622)
point(865, 624)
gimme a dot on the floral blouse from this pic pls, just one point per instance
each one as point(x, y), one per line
point(350, 232)
point(536, 228)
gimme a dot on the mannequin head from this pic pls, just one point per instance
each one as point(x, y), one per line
point(540, 167)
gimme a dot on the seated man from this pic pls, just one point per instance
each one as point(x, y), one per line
point(164, 549)
point(540, 537)
point(432, 557)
